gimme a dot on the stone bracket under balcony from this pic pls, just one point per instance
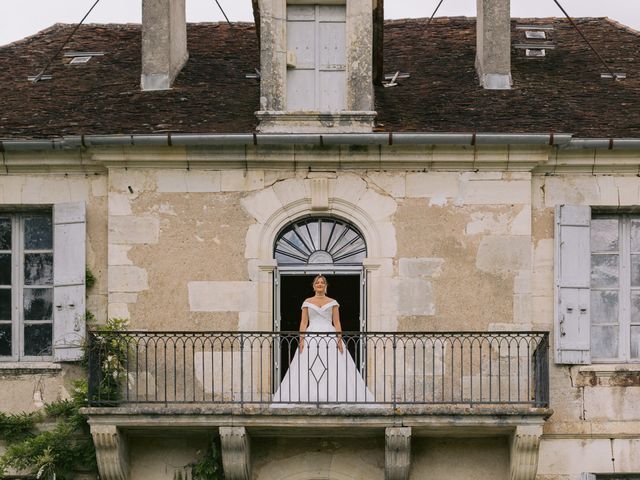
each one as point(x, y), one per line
point(237, 424)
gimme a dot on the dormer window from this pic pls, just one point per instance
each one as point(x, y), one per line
point(316, 65)
point(316, 58)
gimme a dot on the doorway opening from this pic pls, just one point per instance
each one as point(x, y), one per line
point(303, 249)
point(296, 288)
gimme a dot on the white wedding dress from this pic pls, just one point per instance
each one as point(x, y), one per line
point(321, 374)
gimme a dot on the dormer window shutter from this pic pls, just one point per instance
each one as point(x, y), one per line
point(573, 284)
point(69, 247)
point(316, 58)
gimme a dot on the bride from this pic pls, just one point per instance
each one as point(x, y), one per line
point(322, 370)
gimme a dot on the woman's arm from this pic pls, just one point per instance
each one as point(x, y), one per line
point(304, 323)
point(336, 323)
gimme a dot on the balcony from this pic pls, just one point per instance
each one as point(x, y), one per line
point(507, 371)
point(466, 384)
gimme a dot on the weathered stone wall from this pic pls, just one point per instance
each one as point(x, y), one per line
point(596, 425)
point(176, 249)
point(460, 459)
point(448, 250)
point(303, 458)
point(30, 387)
point(165, 456)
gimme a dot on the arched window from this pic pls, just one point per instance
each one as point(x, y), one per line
point(318, 241)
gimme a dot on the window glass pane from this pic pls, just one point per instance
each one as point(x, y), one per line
point(327, 228)
point(314, 231)
point(635, 270)
point(604, 307)
point(5, 339)
point(296, 241)
point(5, 269)
point(38, 268)
point(604, 341)
point(635, 341)
point(5, 304)
point(5, 234)
point(604, 271)
point(604, 235)
point(37, 339)
point(38, 233)
point(635, 235)
point(635, 307)
point(38, 303)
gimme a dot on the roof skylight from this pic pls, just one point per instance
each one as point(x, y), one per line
point(537, 34)
point(79, 60)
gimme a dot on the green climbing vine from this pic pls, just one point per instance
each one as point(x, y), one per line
point(209, 466)
point(51, 443)
point(55, 442)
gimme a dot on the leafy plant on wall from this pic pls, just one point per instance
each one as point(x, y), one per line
point(55, 442)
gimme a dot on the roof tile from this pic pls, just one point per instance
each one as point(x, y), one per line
point(562, 92)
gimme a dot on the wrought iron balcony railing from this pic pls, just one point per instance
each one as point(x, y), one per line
point(247, 368)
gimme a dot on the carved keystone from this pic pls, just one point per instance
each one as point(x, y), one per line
point(525, 445)
point(236, 460)
point(319, 194)
point(397, 453)
point(111, 452)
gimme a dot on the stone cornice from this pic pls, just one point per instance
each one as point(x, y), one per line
point(537, 159)
point(289, 421)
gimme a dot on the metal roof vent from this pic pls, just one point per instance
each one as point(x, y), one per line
point(535, 52)
point(536, 40)
point(79, 60)
point(535, 27)
point(535, 34)
point(615, 76)
point(37, 78)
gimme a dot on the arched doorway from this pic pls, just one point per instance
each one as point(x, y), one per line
point(303, 249)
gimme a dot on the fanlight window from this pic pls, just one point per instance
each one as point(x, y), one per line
point(320, 241)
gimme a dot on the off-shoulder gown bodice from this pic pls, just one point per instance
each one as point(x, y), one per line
point(321, 318)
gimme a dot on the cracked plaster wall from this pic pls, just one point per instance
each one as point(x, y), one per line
point(595, 426)
point(437, 237)
point(28, 389)
point(449, 246)
point(180, 232)
point(304, 458)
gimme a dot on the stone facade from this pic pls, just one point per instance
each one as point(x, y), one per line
point(449, 249)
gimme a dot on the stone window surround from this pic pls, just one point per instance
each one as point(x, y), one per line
point(359, 114)
point(376, 265)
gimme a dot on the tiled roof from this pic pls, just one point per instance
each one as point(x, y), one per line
point(562, 92)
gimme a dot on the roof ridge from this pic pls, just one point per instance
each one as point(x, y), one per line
point(622, 26)
point(30, 37)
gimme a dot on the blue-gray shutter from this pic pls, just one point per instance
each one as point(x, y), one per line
point(573, 284)
point(316, 41)
point(302, 42)
point(69, 256)
point(332, 58)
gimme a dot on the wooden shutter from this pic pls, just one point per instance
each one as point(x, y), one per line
point(316, 57)
point(573, 282)
point(332, 58)
point(69, 247)
point(301, 43)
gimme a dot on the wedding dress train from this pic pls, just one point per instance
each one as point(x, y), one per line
point(321, 373)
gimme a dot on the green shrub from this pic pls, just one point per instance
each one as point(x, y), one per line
point(55, 453)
